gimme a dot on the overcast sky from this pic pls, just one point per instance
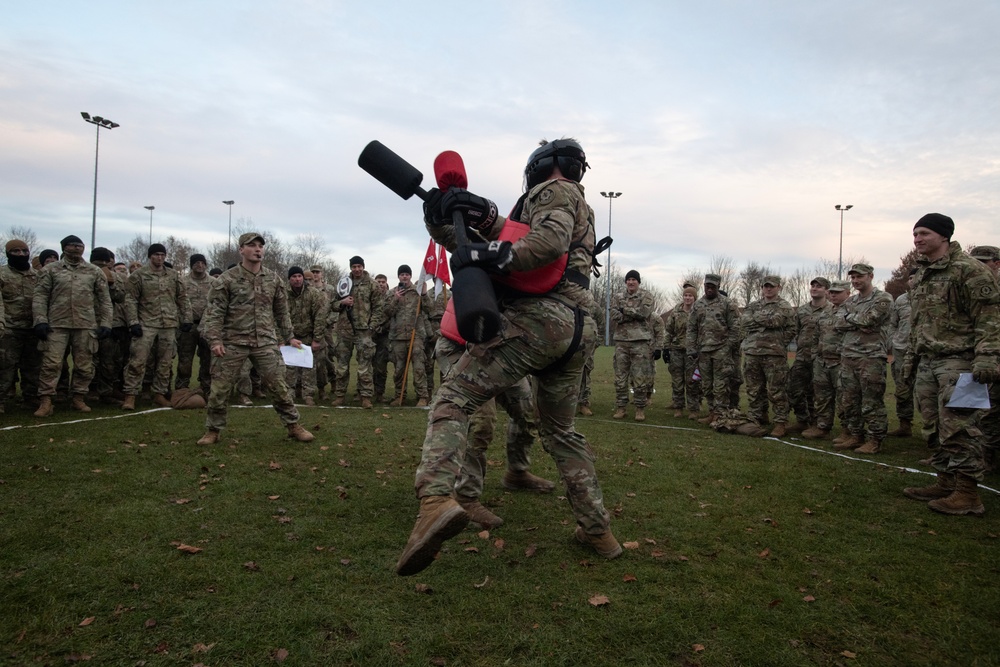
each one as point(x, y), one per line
point(731, 128)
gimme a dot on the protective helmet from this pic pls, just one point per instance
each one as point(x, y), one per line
point(566, 153)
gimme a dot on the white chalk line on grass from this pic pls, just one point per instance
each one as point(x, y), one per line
point(806, 447)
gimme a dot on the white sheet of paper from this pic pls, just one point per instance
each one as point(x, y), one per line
point(297, 356)
point(969, 394)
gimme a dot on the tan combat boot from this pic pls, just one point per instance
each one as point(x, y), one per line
point(779, 430)
point(942, 488)
point(337, 402)
point(246, 401)
point(850, 443)
point(640, 414)
point(210, 438)
point(309, 401)
point(296, 432)
point(161, 400)
point(844, 435)
point(366, 403)
point(478, 513)
point(693, 415)
point(584, 409)
point(604, 544)
point(129, 402)
point(963, 500)
point(422, 403)
point(905, 429)
point(522, 480)
point(45, 408)
point(79, 404)
point(870, 447)
point(708, 419)
point(619, 413)
point(815, 433)
point(440, 518)
point(678, 414)
point(797, 427)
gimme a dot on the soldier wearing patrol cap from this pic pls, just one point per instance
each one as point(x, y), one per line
point(826, 363)
point(768, 326)
point(359, 312)
point(800, 377)
point(988, 255)
point(713, 339)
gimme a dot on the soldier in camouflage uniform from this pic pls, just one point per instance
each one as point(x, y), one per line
point(630, 312)
point(864, 352)
point(955, 329)
point(359, 312)
point(247, 318)
point(768, 326)
point(155, 306)
point(685, 390)
point(899, 330)
point(712, 338)
point(434, 314)
point(549, 335)
point(197, 283)
point(325, 373)
point(407, 331)
point(657, 343)
point(800, 377)
point(583, 407)
point(109, 363)
point(307, 309)
point(18, 344)
point(380, 336)
point(71, 308)
point(826, 362)
point(990, 257)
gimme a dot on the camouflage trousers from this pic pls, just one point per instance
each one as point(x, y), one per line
point(766, 378)
point(717, 374)
point(303, 380)
point(110, 363)
point(83, 343)
point(161, 345)
point(536, 334)
point(826, 383)
point(325, 373)
point(226, 373)
point(190, 344)
point(429, 356)
point(685, 389)
point(633, 365)
point(955, 434)
point(417, 370)
point(903, 391)
point(19, 352)
point(588, 368)
point(521, 429)
point(801, 398)
point(361, 341)
point(862, 391)
point(380, 364)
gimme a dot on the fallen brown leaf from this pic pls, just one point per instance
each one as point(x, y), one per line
point(808, 598)
point(345, 561)
point(150, 623)
point(274, 465)
point(423, 588)
point(280, 655)
point(498, 544)
point(631, 545)
point(764, 554)
point(849, 654)
point(599, 600)
point(273, 497)
point(251, 566)
point(629, 577)
point(472, 550)
point(378, 431)
point(182, 501)
point(188, 549)
point(87, 621)
point(202, 648)
point(530, 551)
point(483, 534)
point(697, 648)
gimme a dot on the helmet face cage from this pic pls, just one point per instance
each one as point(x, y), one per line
point(565, 153)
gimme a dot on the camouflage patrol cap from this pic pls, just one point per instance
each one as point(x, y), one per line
point(316, 268)
point(861, 269)
point(821, 281)
point(986, 253)
point(250, 236)
point(839, 286)
point(713, 279)
point(774, 281)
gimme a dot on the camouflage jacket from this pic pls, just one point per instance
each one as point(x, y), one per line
point(659, 331)
point(675, 327)
point(117, 288)
point(767, 328)
point(865, 325)
point(631, 313)
point(156, 299)
point(247, 308)
point(560, 221)
point(71, 296)
point(197, 293)
point(712, 325)
point(366, 311)
point(330, 294)
point(956, 307)
point(402, 313)
point(899, 322)
point(807, 320)
point(307, 311)
point(829, 339)
point(17, 289)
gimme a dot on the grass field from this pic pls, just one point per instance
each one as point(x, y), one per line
point(124, 543)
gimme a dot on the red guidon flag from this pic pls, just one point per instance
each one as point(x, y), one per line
point(435, 266)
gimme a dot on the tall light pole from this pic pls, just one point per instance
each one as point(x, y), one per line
point(840, 261)
point(110, 125)
point(611, 196)
point(229, 203)
point(150, 209)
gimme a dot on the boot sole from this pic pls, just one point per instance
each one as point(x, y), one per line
point(978, 511)
point(417, 557)
point(606, 554)
point(923, 498)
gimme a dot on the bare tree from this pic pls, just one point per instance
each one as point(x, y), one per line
point(748, 282)
point(695, 277)
point(828, 267)
point(135, 250)
point(725, 267)
point(25, 234)
point(795, 288)
point(599, 288)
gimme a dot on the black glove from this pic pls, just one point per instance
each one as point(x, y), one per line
point(493, 256)
point(135, 330)
point(478, 212)
point(103, 332)
point(986, 370)
point(43, 330)
point(186, 327)
point(433, 216)
point(657, 353)
point(666, 355)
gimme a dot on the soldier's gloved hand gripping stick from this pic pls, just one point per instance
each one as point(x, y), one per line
point(476, 311)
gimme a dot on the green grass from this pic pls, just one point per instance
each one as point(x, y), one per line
point(733, 535)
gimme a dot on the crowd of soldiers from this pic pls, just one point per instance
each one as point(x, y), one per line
point(844, 340)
